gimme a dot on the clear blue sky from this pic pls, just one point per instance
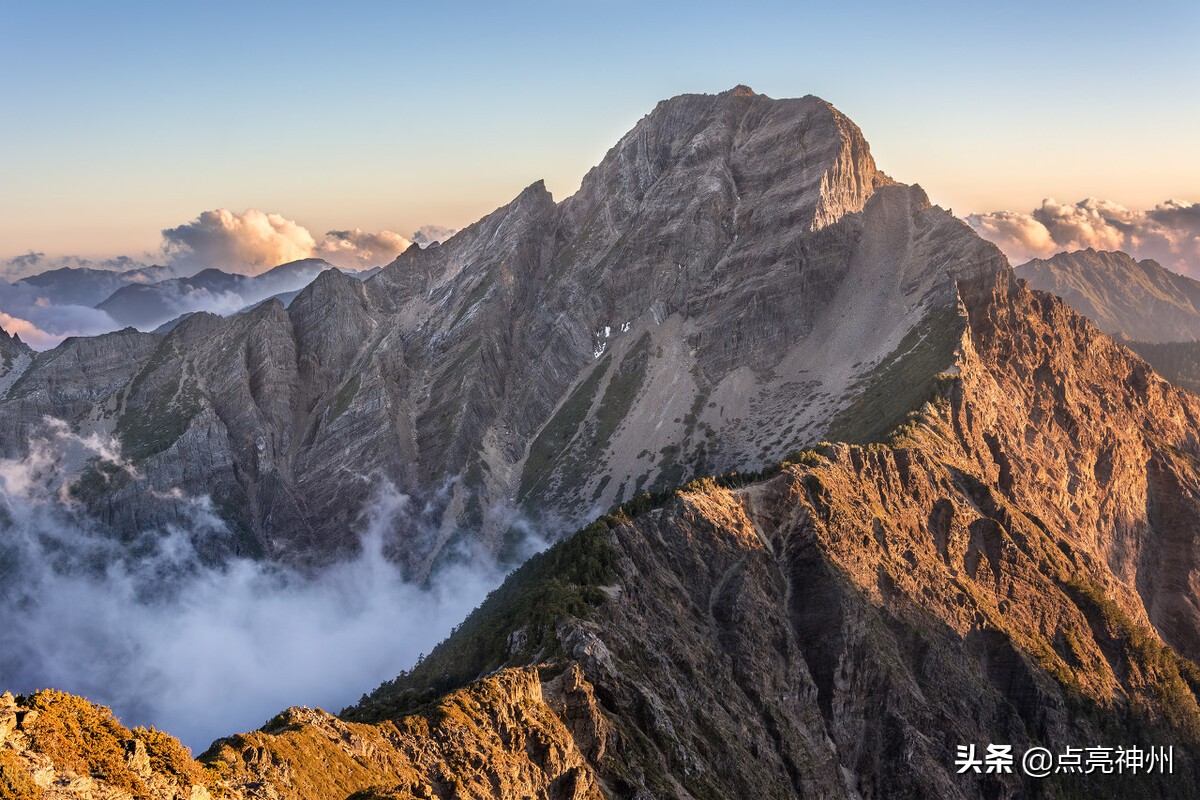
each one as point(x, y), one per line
point(121, 118)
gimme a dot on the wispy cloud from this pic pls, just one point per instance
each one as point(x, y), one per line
point(428, 234)
point(45, 326)
point(1169, 233)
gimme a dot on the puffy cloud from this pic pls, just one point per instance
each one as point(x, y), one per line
point(428, 234)
point(358, 249)
point(1169, 233)
point(250, 242)
point(1020, 236)
point(255, 241)
point(47, 309)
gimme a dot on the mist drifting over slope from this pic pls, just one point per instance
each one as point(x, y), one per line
point(198, 650)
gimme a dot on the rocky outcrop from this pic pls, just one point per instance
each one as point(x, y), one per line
point(58, 747)
point(15, 358)
point(513, 735)
point(1138, 300)
point(722, 286)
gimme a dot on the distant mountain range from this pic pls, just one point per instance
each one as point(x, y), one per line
point(146, 306)
point(1136, 300)
point(1153, 311)
point(84, 286)
point(154, 297)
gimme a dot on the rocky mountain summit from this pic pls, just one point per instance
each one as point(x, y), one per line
point(727, 285)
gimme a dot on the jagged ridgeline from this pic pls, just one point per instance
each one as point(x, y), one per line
point(1000, 549)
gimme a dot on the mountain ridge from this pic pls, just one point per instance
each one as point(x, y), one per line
point(835, 626)
point(1129, 299)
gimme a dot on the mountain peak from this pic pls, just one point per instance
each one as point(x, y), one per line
point(741, 90)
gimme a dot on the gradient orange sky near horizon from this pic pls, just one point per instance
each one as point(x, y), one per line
point(131, 117)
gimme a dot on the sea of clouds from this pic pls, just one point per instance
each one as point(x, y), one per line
point(145, 627)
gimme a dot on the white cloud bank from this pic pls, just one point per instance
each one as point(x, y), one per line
point(1169, 233)
point(203, 651)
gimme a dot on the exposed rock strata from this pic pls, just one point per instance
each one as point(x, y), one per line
point(1017, 566)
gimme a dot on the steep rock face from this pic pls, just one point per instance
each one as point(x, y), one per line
point(15, 357)
point(1138, 300)
point(1100, 447)
point(78, 381)
point(724, 283)
point(1015, 567)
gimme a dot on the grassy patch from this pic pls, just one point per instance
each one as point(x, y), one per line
point(341, 401)
point(161, 420)
point(1170, 679)
point(15, 783)
point(476, 295)
point(170, 757)
point(902, 382)
point(558, 432)
point(159, 408)
point(83, 738)
point(514, 625)
point(622, 390)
